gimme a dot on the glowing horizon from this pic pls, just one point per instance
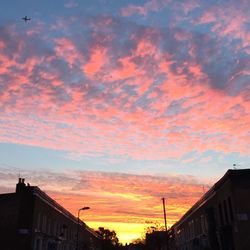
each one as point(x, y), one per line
point(125, 203)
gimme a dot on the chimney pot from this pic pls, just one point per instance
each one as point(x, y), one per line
point(20, 186)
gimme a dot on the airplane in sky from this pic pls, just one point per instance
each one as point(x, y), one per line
point(26, 19)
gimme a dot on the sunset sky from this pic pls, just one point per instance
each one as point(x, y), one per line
point(114, 104)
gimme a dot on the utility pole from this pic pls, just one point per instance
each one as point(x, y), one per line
point(165, 220)
point(164, 211)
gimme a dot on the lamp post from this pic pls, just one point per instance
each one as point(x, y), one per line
point(78, 222)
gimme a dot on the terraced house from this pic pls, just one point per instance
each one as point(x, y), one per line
point(31, 220)
point(220, 220)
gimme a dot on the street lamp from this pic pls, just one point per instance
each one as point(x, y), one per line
point(78, 222)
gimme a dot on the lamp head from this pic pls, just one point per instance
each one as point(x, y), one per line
point(84, 208)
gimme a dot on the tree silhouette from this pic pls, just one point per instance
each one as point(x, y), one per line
point(110, 240)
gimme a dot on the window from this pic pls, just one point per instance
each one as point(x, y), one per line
point(38, 245)
point(221, 215)
point(230, 209)
point(38, 224)
point(44, 221)
point(55, 227)
point(49, 226)
point(225, 211)
point(203, 224)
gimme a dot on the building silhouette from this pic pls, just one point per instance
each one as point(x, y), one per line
point(31, 220)
point(156, 240)
point(220, 220)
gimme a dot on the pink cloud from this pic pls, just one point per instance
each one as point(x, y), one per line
point(152, 5)
point(141, 102)
point(66, 48)
point(225, 24)
point(188, 6)
point(96, 62)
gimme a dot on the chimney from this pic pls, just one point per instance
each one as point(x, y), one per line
point(20, 186)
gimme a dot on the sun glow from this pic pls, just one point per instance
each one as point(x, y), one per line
point(126, 232)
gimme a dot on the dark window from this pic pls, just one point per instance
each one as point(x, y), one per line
point(221, 215)
point(230, 209)
point(225, 211)
point(38, 244)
